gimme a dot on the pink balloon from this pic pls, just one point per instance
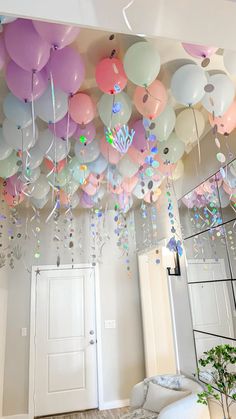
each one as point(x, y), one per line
point(67, 69)
point(14, 185)
point(63, 129)
point(95, 179)
point(89, 188)
point(129, 184)
point(25, 46)
point(137, 156)
point(110, 76)
point(64, 200)
point(165, 169)
point(58, 36)
point(139, 140)
point(151, 102)
point(150, 197)
point(81, 108)
point(20, 82)
point(3, 53)
point(199, 51)
point(227, 122)
point(88, 131)
point(56, 168)
point(110, 153)
point(12, 201)
point(116, 189)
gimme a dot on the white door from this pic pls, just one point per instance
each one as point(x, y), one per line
point(66, 356)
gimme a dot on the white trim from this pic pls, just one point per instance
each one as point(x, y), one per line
point(115, 404)
point(20, 416)
point(33, 303)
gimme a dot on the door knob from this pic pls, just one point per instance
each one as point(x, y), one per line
point(92, 342)
point(91, 332)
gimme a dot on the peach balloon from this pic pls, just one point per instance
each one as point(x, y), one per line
point(115, 189)
point(95, 180)
point(129, 184)
point(227, 122)
point(110, 153)
point(89, 188)
point(151, 101)
point(151, 197)
point(56, 168)
point(81, 108)
point(165, 169)
point(12, 201)
point(137, 156)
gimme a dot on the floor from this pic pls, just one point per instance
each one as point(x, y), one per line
point(94, 414)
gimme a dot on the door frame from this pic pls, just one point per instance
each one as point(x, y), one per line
point(32, 349)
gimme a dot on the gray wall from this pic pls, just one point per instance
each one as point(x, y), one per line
point(122, 348)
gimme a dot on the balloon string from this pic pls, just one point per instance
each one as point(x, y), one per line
point(198, 138)
point(54, 128)
point(150, 94)
point(32, 105)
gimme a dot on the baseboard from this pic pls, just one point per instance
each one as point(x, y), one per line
point(21, 416)
point(114, 404)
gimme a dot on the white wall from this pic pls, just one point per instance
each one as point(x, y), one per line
point(122, 348)
point(3, 323)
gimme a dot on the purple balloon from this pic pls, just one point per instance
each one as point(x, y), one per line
point(199, 51)
point(25, 46)
point(14, 185)
point(64, 129)
point(88, 131)
point(58, 36)
point(24, 84)
point(3, 53)
point(86, 200)
point(139, 140)
point(67, 69)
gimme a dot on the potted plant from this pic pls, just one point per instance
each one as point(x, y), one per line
point(220, 363)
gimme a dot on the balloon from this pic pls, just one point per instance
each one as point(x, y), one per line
point(220, 99)
point(115, 189)
point(137, 156)
point(30, 55)
point(199, 51)
point(40, 203)
point(79, 171)
point(3, 53)
point(9, 166)
point(126, 167)
point(67, 69)
point(19, 139)
point(12, 201)
point(89, 188)
point(110, 76)
point(17, 112)
point(33, 158)
point(74, 201)
point(110, 153)
point(65, 128)
point(187, 84)
point(86, 201)
point(139, 140)
point(125, 201)
point(88, 131)
point(5, 149)
point(142, 63)
point(71, 187)
point(25, 85)
point(224, 198)
point(55, 149)
point(152, 196)
point(115, 110)
point(95, 179)
point(113, 176)
point(229, 58)
point(99, 165)
point(152, 101)
point(171, 150)
point(41, 187)
point(227, 122)
point(6, 19)
point(179, 170)
point(56, 168)
point(129, 184)
point(30, 176)
point(190, 125)
point(61, 179)
point(163, 125)
point(88, 153)
point(99, 195)
point(44, 106)
point(56, 34)
point(81, 108)
point(14, 185)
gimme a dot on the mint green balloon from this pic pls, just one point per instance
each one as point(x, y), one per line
point(142, 63)
point(115, 109)
point(164, 124)
point(9, 166)
point(78, 171)
point(61, 179)
point(172, 149)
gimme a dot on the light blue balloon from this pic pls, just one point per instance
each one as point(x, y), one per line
point(88, 153)
point(18, 112)
point(78, 171)
point(115, 109)
point(6, 19)
point(113, 176)
point(187, 84)
point(99, 165)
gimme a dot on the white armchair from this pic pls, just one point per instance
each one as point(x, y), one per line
point(186, 408)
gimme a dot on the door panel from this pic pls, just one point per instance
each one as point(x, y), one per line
point(66, 359)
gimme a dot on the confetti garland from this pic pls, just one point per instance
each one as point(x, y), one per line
point(120, 138)
point(174, 244)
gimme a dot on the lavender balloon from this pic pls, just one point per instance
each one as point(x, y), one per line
point(65, 128)
point(24, 84)
point(67, 69)
point(58, 36)
point(139, 140)
point(199, 51)
point(85, 133)
point(25, 46)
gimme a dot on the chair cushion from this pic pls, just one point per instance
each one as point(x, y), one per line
point(169, 381)
point(140, 414)
point(159, 397)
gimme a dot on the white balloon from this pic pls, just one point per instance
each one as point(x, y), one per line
point(79, 171)
point(5, 149)
point(179, 170)
point(88, 153)
point(219, 100)
point(60, 179)
point(33, 158)
point(44, 106)
point(41, 187)
point(127, 167)
point(19, 139)
point(171, 150)
point(9, 166)
point(229, 58)
point(187, 84)
point(40, 203)
point(163, 125)
point(190, 124)
point(141, 190)
point(17, 111)
point(71, 187)
point(99, 165)
point(30, 176)
point(53, 147)
point(108, 107)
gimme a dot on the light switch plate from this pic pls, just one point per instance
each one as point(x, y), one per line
point(23, 331)
point(110, 324)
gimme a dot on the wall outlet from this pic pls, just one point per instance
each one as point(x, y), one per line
point(110, 324)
